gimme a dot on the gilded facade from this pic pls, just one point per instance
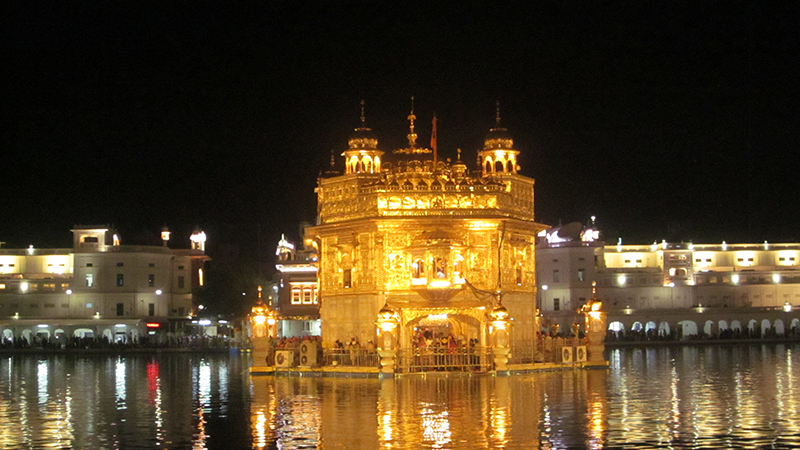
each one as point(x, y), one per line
point(437, 242)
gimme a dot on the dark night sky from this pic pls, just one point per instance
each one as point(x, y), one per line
point(671, 120)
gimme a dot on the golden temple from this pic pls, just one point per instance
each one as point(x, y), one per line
point(436, 243)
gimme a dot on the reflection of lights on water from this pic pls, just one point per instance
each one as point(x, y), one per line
point(596, 414)
point(41, 375)
point(499, 424)
point(436, 427)
point(119, 375)
point(204, 383)
point(154, 386)
point(203, 379)
point(222, 375)
point(386, 426)
point(261, 430)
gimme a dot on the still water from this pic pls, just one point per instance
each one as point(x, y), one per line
point(679, 397)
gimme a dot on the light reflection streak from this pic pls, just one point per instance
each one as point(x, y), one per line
point(435, 426)
point(222, 374)
point(119, 376)
point(675, 417)
point(154, 395)
point(203, 402)
point(41, 377)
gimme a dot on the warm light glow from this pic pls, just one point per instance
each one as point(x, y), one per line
point(621, 280)
point(159, 292)
point(787, 307)
point(776, 278)
point(69, 291)
point(270, 321)
point(198, 239)
point(30, 249)
point(544, 287)
point(735, 279)
point(259, 320)
point(153, 325)
point(439, 284)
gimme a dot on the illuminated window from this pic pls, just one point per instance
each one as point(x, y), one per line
point(581, 275)
point(88, 306)
point(2, 285)
point(89, 280)
point(200, 279)
point(296, 293)
point(151, 280)
point(316, 296)
point(49, 287)
point(120, 280)
point(307, 296)
point(347, 280)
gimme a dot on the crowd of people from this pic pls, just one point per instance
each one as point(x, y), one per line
point(65, 342)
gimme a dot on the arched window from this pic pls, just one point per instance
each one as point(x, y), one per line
point(499, 166)
point(418, 267)
point(440, 266)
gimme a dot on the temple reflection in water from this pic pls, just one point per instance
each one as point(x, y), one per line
point(432, 412)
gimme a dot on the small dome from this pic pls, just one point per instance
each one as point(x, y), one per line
point(498, 138)
point(363, 139)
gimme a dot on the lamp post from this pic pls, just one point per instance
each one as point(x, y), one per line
point(595, 326)
point(386, 328)
point(498, 331)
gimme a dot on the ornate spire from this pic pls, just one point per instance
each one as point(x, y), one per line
point(363, 118)
point(412, 136)
point(497, 119)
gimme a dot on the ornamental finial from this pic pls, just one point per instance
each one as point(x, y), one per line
point(363, 118)
point(412, 136)
point(497, 118)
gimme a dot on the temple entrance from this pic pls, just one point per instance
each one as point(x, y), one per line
point(444, 342)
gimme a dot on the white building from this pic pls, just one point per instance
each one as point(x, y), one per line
point(98, 288)
point(662, 275)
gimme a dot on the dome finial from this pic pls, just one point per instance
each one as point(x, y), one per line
point(363, 118)
point(497, 119)
point(412, 136)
